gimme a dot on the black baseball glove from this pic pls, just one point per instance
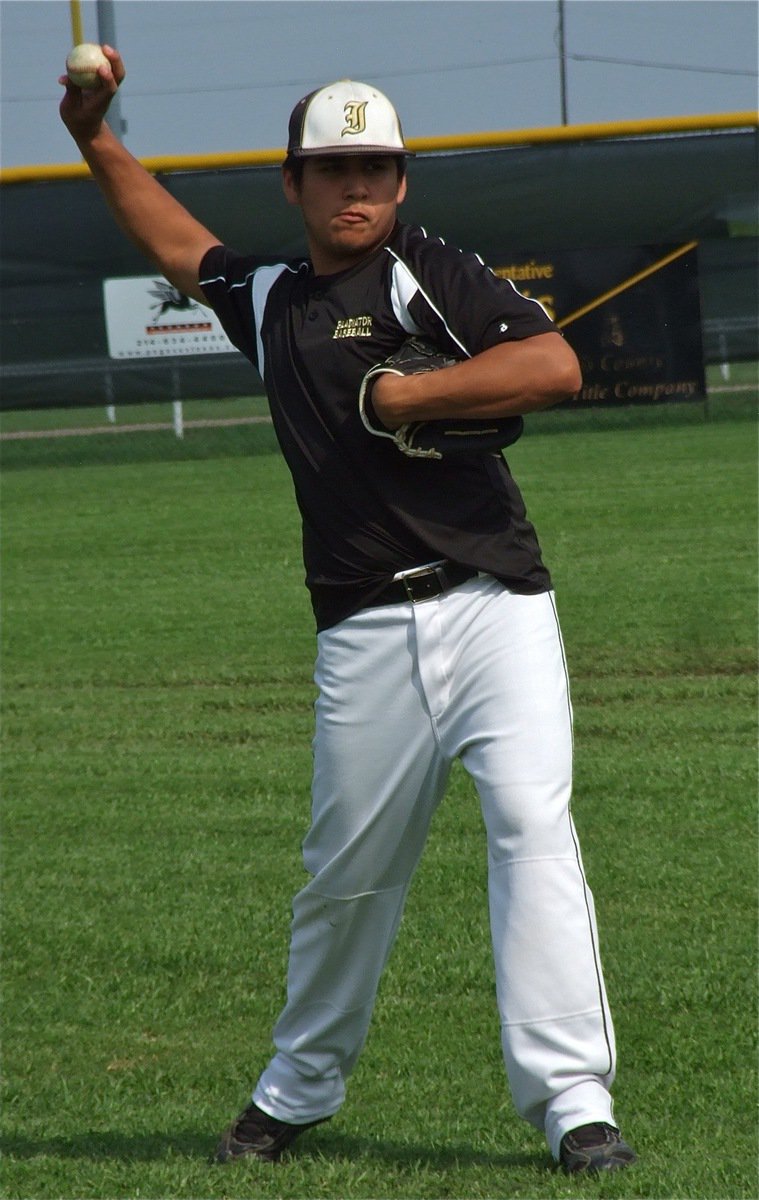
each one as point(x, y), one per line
point(437, 438)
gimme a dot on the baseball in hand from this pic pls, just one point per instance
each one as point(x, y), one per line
point(82, 65)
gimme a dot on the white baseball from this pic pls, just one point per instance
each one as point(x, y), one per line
point(82, 65)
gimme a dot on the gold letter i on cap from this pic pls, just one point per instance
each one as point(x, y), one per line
point(355, 117)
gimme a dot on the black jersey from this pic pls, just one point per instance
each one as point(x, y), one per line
point(369, 511)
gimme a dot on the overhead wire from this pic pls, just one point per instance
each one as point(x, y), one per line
point(439, 70)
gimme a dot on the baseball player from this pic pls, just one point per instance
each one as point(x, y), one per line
point(396, 368)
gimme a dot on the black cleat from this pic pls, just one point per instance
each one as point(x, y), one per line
point(595, 1148)
point(255, 1132)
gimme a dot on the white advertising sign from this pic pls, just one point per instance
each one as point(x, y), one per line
point(147, 317)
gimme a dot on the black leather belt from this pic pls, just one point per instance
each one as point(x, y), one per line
point(424, 583)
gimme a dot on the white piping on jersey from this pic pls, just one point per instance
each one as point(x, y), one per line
point(403, 289)
point(530, 298)
point(482, 263)
point(223, 279)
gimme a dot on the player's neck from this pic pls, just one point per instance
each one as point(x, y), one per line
point(329, 263)
point(332, 255)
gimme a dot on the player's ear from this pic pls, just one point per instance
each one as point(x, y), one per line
point(290, 186)
point(401, 189)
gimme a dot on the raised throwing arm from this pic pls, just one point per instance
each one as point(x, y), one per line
point(159, 226)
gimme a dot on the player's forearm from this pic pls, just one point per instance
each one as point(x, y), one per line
point(508, 380)
point(150, 217)
point(158, 225)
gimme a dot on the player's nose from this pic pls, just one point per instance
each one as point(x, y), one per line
point(354, 181)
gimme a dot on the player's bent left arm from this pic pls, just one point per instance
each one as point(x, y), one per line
point(509, 379)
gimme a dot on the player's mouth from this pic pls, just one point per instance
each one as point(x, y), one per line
point(351, 216)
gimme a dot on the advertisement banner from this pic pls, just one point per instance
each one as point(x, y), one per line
point(147, 317)
point(632, 316)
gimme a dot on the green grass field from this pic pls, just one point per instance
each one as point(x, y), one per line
point(157, 691)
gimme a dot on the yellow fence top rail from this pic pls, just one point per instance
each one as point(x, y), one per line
point(163, 164)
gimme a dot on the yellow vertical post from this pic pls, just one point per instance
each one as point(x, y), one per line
point(77, 34)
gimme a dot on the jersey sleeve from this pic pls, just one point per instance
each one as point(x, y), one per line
point(227, 282)
point(456, 299)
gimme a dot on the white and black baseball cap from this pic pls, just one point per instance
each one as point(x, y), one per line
point(345, 118)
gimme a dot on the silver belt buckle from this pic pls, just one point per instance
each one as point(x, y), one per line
point(435, 569)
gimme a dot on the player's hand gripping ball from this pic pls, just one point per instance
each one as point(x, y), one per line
point(82, 65)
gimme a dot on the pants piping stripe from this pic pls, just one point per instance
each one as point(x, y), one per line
point(596, 957)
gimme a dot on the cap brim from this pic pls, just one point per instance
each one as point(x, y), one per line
point(332, 151)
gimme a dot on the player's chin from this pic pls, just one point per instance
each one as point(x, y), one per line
point(351, 235)
point(354, 239)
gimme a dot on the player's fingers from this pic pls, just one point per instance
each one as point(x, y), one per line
point(117, 66)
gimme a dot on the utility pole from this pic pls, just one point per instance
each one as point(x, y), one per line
point(562, 64)
point(107, 36)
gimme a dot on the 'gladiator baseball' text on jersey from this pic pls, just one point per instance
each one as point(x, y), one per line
point(367, 510)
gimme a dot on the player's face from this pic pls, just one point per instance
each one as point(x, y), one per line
point(348, 204)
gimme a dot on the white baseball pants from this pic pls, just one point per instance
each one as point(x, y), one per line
point(477, 674)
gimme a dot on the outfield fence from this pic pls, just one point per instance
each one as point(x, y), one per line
point(587, 210)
